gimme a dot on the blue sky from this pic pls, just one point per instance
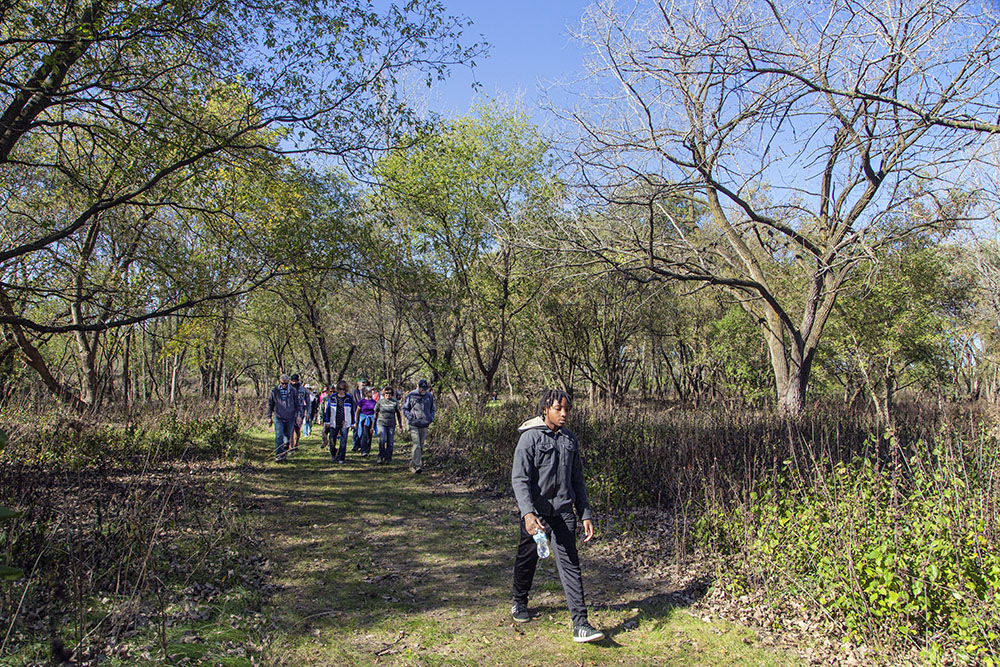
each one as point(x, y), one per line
point(530, 46)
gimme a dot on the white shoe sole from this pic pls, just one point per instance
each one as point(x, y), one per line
point(589, 638)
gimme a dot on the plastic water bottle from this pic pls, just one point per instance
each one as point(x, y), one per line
point(542, 544)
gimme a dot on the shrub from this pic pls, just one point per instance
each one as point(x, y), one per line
point(113, 522)
point(76, 445)
point(894, 554)
point(895, 540)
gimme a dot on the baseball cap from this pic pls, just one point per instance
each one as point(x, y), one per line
point(423, 384)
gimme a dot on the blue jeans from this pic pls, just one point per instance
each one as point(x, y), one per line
point(339, 454)
point(282, 436)
point(365, 423)
point(386, 435)
point(307, 427)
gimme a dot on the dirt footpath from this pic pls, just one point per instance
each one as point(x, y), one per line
point(376, 565)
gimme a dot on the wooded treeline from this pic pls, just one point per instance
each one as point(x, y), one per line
point(761, 205)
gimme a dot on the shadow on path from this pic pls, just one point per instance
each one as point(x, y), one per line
point(357, 541)
point(374, 562)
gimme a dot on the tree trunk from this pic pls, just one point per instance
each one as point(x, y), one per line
point(792, 396)
point(126, 379)
point(175, 369)
point(347, 362)
point(36, 361)
point(219, 385)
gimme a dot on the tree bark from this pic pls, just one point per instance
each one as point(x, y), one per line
point(37, 362)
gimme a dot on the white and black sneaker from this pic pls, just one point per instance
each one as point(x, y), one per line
point(586, 633)
point(519, 612)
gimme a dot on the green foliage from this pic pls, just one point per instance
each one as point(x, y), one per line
point(737, 343)
point(163, 189)
point(159, 553)
point(482, 441)
point(8, 573)
point(906, 557)
point(897, 328)
point(455, 201)
point(168, 438)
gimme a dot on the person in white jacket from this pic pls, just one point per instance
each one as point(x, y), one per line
point(338, 418)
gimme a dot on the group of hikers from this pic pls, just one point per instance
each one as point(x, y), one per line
point(293, 408)
point(546, 476)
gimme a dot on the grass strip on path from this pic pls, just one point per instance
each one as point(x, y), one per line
point(376, 565)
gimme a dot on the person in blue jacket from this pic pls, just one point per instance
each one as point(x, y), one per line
point(284, 411)
point(418, 408)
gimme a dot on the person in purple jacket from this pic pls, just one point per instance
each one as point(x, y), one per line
point(366, 421)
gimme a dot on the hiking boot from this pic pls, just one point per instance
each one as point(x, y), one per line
point(586, 633)
point(519, 612)
point(415, 470)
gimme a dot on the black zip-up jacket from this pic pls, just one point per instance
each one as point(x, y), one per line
point(547, 475)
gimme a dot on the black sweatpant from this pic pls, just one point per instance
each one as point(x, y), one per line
point(562, 541)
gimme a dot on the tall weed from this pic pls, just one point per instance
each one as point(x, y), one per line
point(898, 548)
point(893, 539)
point(115, 520)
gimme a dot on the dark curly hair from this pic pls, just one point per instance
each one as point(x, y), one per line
point(551, 397)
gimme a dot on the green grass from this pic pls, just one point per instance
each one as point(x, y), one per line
point(379, 566)
point(374, 565)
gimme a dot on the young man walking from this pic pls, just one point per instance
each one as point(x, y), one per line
point(547, 477)
point(418, 408)
point(283, 411)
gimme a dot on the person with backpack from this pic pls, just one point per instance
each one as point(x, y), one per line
point(284, 412)
point(300, 399)
point(418, 408)
point(307, 405)
point(314, 406)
